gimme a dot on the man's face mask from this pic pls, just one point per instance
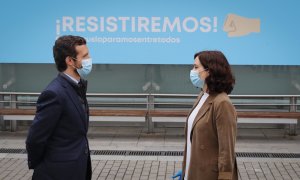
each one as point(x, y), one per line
point(86, 67)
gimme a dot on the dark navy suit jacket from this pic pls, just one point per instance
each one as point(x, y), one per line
point(57, 144)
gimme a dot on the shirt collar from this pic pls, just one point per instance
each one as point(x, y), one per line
point(73, 79)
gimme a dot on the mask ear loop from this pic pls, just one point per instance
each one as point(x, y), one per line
point(77, 61)
point(203, 71)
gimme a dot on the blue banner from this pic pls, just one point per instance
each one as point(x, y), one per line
point(153, 32)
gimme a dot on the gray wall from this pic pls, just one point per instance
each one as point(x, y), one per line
point(117, 78)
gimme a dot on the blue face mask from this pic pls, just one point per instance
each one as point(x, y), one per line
point(86, 67)
point(196, 80)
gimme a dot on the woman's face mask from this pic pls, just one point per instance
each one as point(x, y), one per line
point(195, 79)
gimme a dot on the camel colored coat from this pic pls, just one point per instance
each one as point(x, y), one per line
point(213, 139)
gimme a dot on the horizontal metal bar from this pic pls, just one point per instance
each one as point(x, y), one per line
point(116, 94)
point(113, 103)
point(244, 104)
point(89, 94)
point(240, 120)
point(267, 96)
point(192, 95)
point(28, 102)
point(233, 104)
point(19, 93)
point(268, 120)
point(155, 103)
point(145, 94)
point(133, 103)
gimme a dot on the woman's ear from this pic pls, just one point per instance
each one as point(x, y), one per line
point(206, 74)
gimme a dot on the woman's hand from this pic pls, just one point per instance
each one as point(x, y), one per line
point(178, 174)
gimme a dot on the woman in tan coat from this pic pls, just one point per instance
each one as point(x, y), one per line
point(211, 125)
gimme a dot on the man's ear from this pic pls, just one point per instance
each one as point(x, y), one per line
point(68, 60)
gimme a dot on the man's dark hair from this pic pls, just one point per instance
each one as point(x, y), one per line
point(65, 46)
point(220, 78)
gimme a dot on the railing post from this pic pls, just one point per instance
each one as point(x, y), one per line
point(293, 108)
point(293, 102)
point(2, 124)
point(150, 106)
point(13, 105)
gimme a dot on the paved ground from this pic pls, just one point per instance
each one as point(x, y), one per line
point(13, 166)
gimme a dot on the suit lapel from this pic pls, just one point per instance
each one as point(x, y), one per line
point(75, 99)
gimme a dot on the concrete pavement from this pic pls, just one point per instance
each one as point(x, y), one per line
point(14, 165)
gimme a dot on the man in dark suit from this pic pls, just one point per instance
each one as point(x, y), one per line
point(57, 143)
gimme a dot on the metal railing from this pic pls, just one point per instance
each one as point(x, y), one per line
point(278, 103)
point(288, 103)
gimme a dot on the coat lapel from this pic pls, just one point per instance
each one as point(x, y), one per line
point(194, 106)
point(197, 101)
point(205, 107)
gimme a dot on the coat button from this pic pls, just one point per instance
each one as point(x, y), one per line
point(86, 151)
